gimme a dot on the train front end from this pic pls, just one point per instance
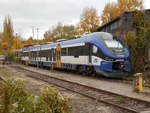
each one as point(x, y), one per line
point(114, 55)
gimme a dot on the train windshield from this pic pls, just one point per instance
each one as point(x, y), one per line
point(110, 41)
point(113, 44)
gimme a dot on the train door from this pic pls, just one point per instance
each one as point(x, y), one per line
point(58, 56)
point(30, 57)
point(89, 46)
point(53, 55)
point(37, 58)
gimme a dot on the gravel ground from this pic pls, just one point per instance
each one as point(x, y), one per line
point(79, 103)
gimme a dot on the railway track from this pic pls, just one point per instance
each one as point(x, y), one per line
point(124, 103)
point(128, 80)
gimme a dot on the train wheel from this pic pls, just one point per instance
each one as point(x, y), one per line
point(41, 65)
point(80, 69)
point(90, 71)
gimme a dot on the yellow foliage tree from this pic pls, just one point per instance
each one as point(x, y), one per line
point(48, 37)
point(7, 35)
point(29, 41)
point(1, 40)
point(113, 10)
point(4, 48)
point(129, 5)
point(17, 43)
point(89, 20)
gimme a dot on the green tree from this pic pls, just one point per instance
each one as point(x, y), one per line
point(139, 41)
point(61, 31)
point(69, 31)
point(57, 31)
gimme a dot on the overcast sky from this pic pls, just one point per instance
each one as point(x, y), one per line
point(43, 14)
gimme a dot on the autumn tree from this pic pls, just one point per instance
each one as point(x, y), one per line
point(110, 12)
point(89, 20)
point(48, 36)
point(17, 42)
point(7, 35)
point(29, 41)
point(1, 41)
point(113, 10)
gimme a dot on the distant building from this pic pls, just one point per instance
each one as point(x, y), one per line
point(119, 26)
point(122, 25)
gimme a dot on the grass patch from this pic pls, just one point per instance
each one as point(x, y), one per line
point(121, 99)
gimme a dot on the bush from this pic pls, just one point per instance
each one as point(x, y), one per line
point(56, 101)
point(15, 98)
point(138, 41)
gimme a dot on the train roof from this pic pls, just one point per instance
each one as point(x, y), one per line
point(83, 39)
point(92, 38)
point(95, 38)
point(19, 50)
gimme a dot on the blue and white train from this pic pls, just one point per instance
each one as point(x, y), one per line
point(99, 52)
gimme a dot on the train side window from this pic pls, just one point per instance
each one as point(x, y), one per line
point(95, 49)
point(54, 55)
point(46, 58)
point(47, 53)
point(63, 51)
point(77, 51)
point(70, 51)
point(50, 55)
point(74, 51)
point(82, 50)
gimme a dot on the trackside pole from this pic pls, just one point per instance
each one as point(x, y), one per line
point(138, 82)
point(52, 67)
point(26, 63)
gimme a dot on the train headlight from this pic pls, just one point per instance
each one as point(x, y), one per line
point(103, 62)
point(108, 59)
point(121, 66)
